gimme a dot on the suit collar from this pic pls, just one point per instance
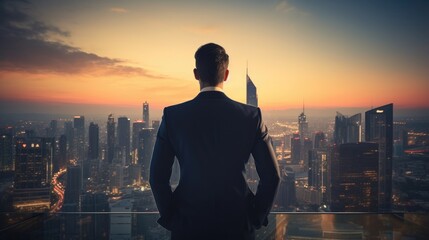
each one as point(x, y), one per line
point(211, 95)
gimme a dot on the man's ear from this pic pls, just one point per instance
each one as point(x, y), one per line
point(226, 75)
point(196, 74)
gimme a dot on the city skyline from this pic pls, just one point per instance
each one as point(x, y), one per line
point(318, 52)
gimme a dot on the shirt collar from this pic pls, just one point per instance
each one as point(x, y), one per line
point(206, 89)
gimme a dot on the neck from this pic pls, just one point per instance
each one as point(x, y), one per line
point(203, 85)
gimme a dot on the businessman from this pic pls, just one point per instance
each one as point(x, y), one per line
point(212, 137)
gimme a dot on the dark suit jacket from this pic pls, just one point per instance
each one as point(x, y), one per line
point(212, 137)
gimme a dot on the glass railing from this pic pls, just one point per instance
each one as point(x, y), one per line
point(143, 225)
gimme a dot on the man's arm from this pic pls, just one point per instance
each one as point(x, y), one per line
point(160, 172)
point(266, 166)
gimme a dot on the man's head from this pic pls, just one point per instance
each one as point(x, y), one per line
point(211, 63)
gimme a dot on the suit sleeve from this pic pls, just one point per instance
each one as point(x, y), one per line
point(266, 166)
point(160, 172)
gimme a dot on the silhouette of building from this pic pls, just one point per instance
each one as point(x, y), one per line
point(146, 114)
point(73, 189)
point(355, 181)
point(110, 138)
point(124, 138)
point(251, 93)
point(302, 126)
point(347, 129)
point(145, 150)
point(320, 140)
point(379, 129)
point(79, 137)
point(51, 131)
point(6, 149)
point(295, 149)
point(69, 133)
point(94, 141)
point(62, 151)
point(33, 162)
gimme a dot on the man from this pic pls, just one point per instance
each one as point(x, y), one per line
point(212, 137)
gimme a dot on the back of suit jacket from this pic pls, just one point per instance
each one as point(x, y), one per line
point(212, 137)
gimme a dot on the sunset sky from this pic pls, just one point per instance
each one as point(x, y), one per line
point(121, 53)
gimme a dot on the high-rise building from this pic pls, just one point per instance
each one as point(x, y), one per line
point(295, 146)
point(302, 126)
point(347, 129)
point(251, 93)
point(124, 138)
point(6, 149)
point(32, 174)
point(317, 169)
point(355, 181)
point(145, 150)
point(51, 131)
point(320, 140)
point(73, 188)
point(146, 114)
point(62, 152)
point(68, 132)
point(379, 129)
point(110, 138)
point(93, 141)
point(138, 125)
point(79, 137)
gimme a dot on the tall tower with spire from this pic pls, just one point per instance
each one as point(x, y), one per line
point(251, 93)
point(303, 125)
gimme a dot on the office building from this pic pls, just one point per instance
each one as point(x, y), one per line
point(320, 140)
point(79, 137)
point(124, 139)
point(146, 114)
point(295, 149)
point(110, 138)
point(379, 129)
point(145, 150)
point(355, 180)
point(93, 141)
point(347, 129)
point(32, 174)
point(251, 93)
point(6, 149)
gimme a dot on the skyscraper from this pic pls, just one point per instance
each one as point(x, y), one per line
point(379, 129)
point(110, 138)
point(32, 174)
point(79, 137)
point(302, 126)
point(347, 129)
point(124, 138)
point(146, 115)
point(62, 151)
point(145, 150)
point(295, 149)
point(93, 141)
point(354, 178)
point(251, 93)
point(6, 149)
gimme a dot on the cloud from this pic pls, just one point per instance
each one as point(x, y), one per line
point(118, 10)
point(25, 47)
point(284, 7)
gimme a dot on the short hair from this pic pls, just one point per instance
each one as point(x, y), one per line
point(211, 62)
